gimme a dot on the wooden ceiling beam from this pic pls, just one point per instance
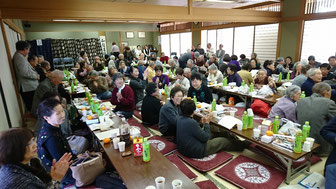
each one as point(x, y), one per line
point(75, 9)
point(257, 5)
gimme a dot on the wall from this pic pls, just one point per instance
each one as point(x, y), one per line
point(60, 35)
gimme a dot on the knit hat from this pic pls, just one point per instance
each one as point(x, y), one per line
point(196, 54)
point(151, 88)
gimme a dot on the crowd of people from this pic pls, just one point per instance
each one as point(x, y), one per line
point(133, 81)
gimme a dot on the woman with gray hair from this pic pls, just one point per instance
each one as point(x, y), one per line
point(215, 76)
point(285, 107)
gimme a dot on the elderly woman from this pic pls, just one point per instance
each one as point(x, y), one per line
point(299, 73)
point(138, 85)
point(314, 75)
point(285, 107)
point(160, 79)
point(122, 97)
point(262, 79)
point(20, 167)
point(182, 81)
point(318, 109)
point(98, 85)
point(51, 143)
point(269, 67)
point(215, 76)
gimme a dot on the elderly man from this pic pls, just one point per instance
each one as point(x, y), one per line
point(285, 107)
point(187, 73)
point(48, 85)
point(97, 65)
point(314, 76)
point(318, 109)
point(332, 63)
point(98, 85)
point(312, 62)
point(191, 66)
point(26, 77)
point(184, 58)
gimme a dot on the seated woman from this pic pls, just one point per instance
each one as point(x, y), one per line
point(170, 112)
point(254, 64)
point(138, 85)
point(202, 92)
point(233, 75)
point(195, 141)
point(98, 85)
point(164, 58)
point(123, 69)
point(122, 97)
point(245, 74)
point(181, 81)
point(111, 71)
point(262, 79)
point(282, 67)
point(215, 76)
point(285, 107)
point(150, 109)
point(20, 167)
point(269, 67)
point(51, 143)
point(318, 109)
point(160, 79)
point(43, 70)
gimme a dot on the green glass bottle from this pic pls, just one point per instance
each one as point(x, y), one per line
point(276, 125)
point(213, 105)
point(146, 151)
point(298, 142)
point(245, 120)
point(305, 130)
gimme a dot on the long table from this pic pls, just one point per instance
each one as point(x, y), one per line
point(285, 156)
point(138, 174)
point(271, 99)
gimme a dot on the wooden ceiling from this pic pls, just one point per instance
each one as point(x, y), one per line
point(136, 10)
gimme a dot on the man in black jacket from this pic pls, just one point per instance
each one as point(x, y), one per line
point(151, 105)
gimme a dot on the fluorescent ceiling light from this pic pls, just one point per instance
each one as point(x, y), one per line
point(60, 20)
point(115, 21)
point(136, 21)
point(92, 20)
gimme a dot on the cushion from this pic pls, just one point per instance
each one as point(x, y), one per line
point(207, 184)
point(248, 173)
point(134, 123)
point(137, 114)
point(162, 145)
point(275, 159)
point(207, 163)
point(180, 165)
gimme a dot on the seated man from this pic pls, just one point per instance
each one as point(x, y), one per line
point(202, 92)
point(325, 70)
point(194, 141)
point(314, 76)
point(170, 112)
point(182, 81)
point(98, 85)
point(233, 75)
point(97, 65)
point(318, 109)
point(122, 97)
point(150, 109)
point(285, 107)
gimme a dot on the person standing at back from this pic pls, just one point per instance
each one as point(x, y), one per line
point(26, 77)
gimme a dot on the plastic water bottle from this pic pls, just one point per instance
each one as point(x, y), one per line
point(251, 87)
point(276, 125)
point(305, 130)
point(213, 105)
point(225, 81)
point(280, 78)
point(245, 121)
point(243, 83)
point(146, 151)
point(303, 94)
point(288, 76)
point(195, 100)
point(298, 142)
point(72, 87)
point(250, 116)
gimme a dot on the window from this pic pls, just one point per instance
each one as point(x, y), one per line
point(265, 42)
point(165, 44)
point(178, 43)
point(174, 44)
point(320, 6)
point(185, 42)
point(319, 39)
point(212, 35)
point(204, 38)
point(225, 37)
point(243, 40)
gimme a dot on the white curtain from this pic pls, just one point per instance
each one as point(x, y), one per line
point(7, 81)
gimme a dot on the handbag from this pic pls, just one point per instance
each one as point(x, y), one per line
point(86, 168)
point(78, 144)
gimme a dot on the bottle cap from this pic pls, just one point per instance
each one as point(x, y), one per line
point(299, 132)
point(307, 123)
point(276, 117)
point(145, 139)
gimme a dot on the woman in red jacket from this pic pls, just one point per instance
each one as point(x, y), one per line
point(122, 96)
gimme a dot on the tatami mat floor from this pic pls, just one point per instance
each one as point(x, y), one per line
point(221, 183)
